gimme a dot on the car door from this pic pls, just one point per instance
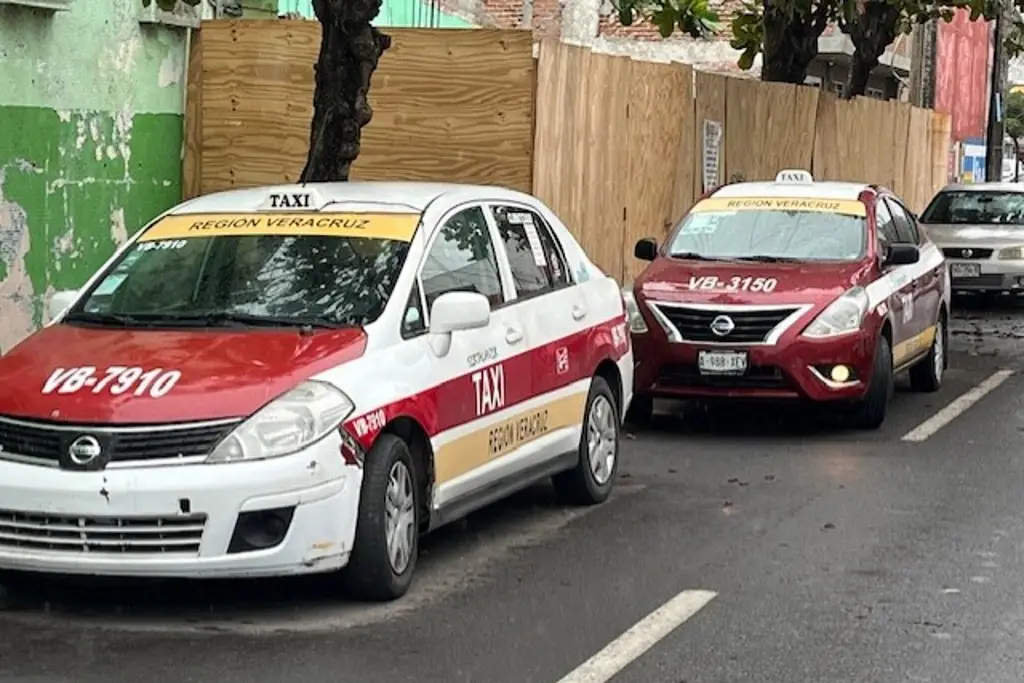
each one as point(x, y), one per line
point(554, 314)
point(482, 377)
point(900, 285)
point(928, 274)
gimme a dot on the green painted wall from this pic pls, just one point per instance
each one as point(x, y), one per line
point(90, 144)
point(393, 13)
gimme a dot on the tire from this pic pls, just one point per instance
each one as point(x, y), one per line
point(371, 574)
point(590, 481)
point(641, 410)
point(870, 412)
point(926, 375)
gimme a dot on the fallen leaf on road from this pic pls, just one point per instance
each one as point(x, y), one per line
point(829, 525)
point(726, 503)
point(733, 480)
point(671, 471)
point(769, 477)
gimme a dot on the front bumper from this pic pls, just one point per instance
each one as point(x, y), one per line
point(993, 275)
point(795, 369)
point(179, 520)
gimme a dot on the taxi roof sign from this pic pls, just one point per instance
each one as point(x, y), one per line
point(794, 176)
point(294, 198)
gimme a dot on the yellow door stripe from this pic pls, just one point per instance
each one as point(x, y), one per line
point(473, 450)
point(849, 207)
point(387, 226)
point(909, 349)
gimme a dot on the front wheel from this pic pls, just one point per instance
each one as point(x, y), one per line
point(387, 533)
point(870, 412)
point(926, 374)
point(590, 481)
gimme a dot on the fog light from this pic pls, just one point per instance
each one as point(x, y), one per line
point(840, 373)
point(260, 529)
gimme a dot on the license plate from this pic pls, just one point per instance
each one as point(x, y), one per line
point(964, 270)
point(722, 362)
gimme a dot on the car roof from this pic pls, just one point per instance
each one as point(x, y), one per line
point(825, 189)
point(984, 187)
point(380, 196)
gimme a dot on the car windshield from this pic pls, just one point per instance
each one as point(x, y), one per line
point(985, 207)
point(322, 270)
point(711, 231)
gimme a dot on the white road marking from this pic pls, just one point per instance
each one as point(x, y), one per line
point(956, 408)
point(639, 638)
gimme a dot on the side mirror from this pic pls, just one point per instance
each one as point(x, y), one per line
point(454, 311)
point(646, 249)
point(60, 301)
point(901, 255)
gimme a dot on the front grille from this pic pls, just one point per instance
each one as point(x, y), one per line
point(989, 281)
point(45, 442)
point(178, 535)
point(751, 326)
point(686, 375)
point(958, 252)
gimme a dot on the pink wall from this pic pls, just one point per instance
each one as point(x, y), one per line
point(962, 74)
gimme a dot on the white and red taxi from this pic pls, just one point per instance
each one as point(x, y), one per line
point(301, 379)
point(791, 289)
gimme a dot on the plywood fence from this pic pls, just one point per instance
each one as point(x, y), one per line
point(614, 145)
point(448, 104)
point(619, 143)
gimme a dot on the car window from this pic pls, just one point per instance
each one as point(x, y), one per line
point(906, 230)
point(536, 261)
point(414, 322)
point(885, 226)
point(461, 259)
point(984, 207)
point(195, 275)
point(713, 230)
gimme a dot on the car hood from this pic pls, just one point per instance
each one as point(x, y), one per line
point(965, 235)
point(224, 373)
point(735, 283)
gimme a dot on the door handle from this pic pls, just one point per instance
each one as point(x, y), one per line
point(513, 336)
point(578, 312)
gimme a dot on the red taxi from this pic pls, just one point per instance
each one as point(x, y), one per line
point(792, 289)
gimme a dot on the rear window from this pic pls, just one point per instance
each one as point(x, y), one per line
point(772, 228)
point(958, 207)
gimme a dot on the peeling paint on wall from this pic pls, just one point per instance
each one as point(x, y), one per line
point(91, 149)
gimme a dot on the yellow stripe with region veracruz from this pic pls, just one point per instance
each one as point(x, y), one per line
point(909, 349)
point(848, 207)
point(386, 226)
point(470, 451)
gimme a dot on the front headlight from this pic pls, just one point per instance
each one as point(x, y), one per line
point(1011, 254)
point(637, 325)
point(843, 315)
point(286, 425)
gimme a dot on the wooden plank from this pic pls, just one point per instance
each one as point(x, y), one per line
point(453, 105)
point(192, 162)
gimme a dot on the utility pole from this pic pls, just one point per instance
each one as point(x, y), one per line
point(997, 93)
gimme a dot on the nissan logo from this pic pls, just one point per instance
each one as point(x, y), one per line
point(967, 253)
point(722, 325)
point(84, 450)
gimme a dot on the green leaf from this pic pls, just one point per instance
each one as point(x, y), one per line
point(746, 60)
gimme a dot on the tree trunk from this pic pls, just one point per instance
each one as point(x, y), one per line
point(873, 30)
point(350, 49)
point(1016, 160)
point(790, 41)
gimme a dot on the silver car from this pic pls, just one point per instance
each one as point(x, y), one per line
point(980, 229)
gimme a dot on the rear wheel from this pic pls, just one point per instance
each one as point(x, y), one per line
point(590, 481)
point(387, 533)
point(870, 412)
point(926, 374)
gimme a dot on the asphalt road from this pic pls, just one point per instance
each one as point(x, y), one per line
point(754, 549)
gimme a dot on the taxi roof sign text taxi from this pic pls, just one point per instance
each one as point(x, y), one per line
point(794, 176)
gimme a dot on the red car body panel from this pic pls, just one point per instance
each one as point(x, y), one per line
point(224, 373)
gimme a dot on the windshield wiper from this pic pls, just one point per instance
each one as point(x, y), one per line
point(105, 319)
point(694, 256)
point(231, 317)
point(764, 258)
